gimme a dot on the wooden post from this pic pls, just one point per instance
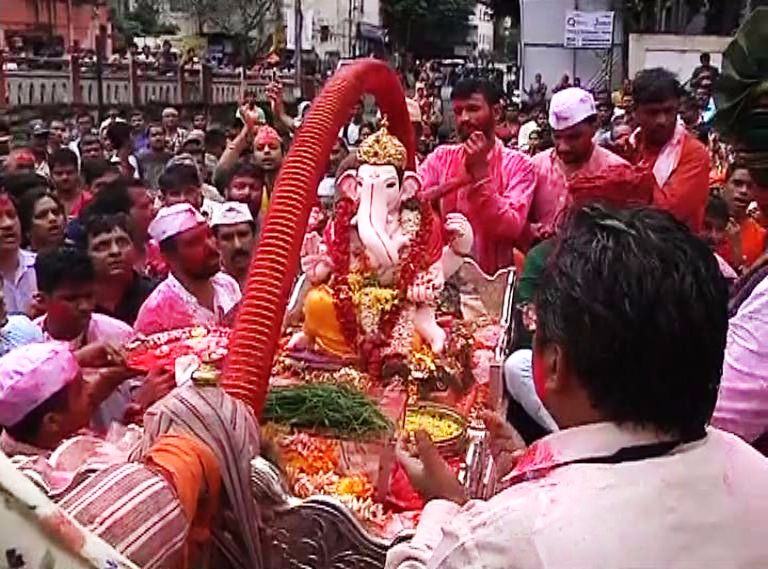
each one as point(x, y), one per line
point(243, 83)
point(75, 92)
point(206, 84)
point(100, 72)
point(133, 82)
point(182, 87)
point(3, 82)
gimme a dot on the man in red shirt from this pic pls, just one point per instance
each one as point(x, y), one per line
point(680, 163)
point(491, 185)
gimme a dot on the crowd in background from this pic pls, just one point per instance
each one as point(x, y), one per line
point(148, 223)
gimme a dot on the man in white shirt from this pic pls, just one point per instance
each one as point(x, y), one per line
point(17, 266)
point(195, 293)
point(631, 321)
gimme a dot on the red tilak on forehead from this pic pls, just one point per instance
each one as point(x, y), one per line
point(266, 135)
point(5, 200)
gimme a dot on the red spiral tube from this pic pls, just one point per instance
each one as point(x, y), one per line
point(273, 269)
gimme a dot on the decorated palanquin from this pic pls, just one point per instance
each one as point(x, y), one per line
point(390, 329)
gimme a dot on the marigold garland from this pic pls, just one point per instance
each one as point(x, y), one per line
point(415, 262)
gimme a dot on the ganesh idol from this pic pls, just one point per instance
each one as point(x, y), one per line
point(379, 267)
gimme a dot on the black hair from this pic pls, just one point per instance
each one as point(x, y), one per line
point(94, 168)
point(136, 113)
point(168, 245)
point(655, 86)
point(119, 134)
point(215, 136)
point(98, 224)
point(64, 157)
point(245, 168)
point(717, 208)
point(112, 199)
point(155, 124)
point(639, 307)
point(16, 184)
point(26, 209)
point(465, 88)
point(64, 264)
point(178, 177)
point(27, 429)
point(88, 138)
point(732, 167)
point(83, 113)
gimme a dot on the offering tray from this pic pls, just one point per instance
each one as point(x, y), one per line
point(208, 344)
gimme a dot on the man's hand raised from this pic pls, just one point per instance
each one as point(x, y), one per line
point(428, 472)
point(476, 155)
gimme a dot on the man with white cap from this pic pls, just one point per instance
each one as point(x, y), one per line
point(174, 134)
point(43, 396)
point(195, 292)
point(235, 232)
point(573, 118)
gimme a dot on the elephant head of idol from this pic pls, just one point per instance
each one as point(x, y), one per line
point(378, 188)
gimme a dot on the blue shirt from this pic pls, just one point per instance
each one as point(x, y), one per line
point(18, 331)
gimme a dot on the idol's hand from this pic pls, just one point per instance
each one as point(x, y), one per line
point(460, 234)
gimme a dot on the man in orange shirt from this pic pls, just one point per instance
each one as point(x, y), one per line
point(739, 193)
point(680, 163)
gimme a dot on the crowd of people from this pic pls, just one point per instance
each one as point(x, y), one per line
point(630, 222)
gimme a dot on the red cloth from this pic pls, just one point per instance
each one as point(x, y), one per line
point(686, 191)
point(82, 201)
point(497, 206)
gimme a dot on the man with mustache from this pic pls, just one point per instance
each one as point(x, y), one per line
point(573, 119)
point(491, 185)
point(235, 233)
point(196, 292)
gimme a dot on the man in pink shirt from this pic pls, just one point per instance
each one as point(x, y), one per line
point(196, 292)
point(634, 477)
point(573, 118)
point(492, 186)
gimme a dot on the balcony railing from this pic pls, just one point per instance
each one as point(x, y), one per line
point(35, 81)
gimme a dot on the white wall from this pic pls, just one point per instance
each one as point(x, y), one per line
point(676, 53)
point(543, 34)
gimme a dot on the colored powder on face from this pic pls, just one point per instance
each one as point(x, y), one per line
point(266, 136)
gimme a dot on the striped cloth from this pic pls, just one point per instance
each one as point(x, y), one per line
point(135, 510)
point(229, 428)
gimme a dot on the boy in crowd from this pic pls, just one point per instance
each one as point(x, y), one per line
point(66, 282)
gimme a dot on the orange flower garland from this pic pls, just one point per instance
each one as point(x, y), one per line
point(415, 262)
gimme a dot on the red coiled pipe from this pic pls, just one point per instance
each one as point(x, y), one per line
point(274, 267)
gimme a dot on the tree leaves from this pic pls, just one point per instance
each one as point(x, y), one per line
point(427, 28)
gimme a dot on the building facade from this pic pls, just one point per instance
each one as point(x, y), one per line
point(336, 28)
point(51, 27)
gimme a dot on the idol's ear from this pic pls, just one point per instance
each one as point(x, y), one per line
point(411, 186)
point(346, 184)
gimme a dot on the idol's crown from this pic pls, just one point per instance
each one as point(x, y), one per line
point(382, 148)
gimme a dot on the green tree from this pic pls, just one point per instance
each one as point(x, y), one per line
point(143, 20)
point(245, 20)
point(427, 28)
